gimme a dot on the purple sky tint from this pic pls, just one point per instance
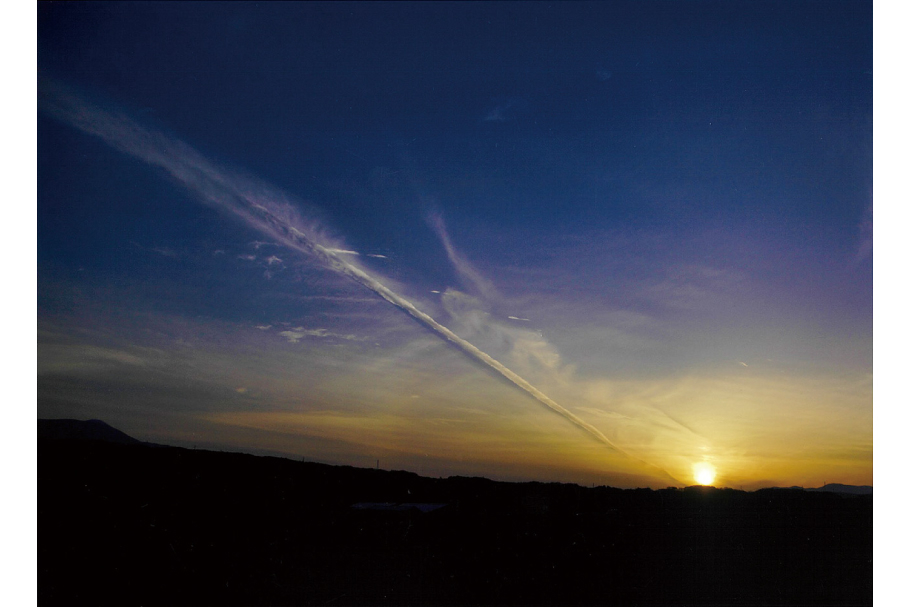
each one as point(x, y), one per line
point(656, 216)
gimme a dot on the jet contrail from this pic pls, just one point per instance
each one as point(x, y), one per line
point(266, 210)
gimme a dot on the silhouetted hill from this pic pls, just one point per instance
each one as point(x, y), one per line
point(125, 524)
point(845, 489)
point(74, 429)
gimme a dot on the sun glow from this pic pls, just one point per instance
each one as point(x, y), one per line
point(704, 473)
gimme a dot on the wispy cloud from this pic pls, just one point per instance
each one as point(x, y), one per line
point(160, 250)
point(68, 358)
point(522, 348)
point(338, 299)
point(507, 109)
point(271, 213)
point(467, 271)
point(296, 334)
point(165, 251)
point(692, 287)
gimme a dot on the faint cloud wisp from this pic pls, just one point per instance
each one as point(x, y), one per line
point(271, 213)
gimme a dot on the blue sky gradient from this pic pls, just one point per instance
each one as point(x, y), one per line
point(659, 215)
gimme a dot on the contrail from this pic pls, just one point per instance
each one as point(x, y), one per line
point(266, 210)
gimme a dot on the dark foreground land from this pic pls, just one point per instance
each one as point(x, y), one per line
point(131, 524)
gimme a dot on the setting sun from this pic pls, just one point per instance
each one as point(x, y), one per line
point(704, 473)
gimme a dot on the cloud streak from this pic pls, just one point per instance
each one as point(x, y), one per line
point(463, 266)
point(269, 212)
point(297, 333)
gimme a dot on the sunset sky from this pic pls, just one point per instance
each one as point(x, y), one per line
point(612, 243)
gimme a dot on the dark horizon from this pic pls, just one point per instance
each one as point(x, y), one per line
point(72, 429)
point(129, 524)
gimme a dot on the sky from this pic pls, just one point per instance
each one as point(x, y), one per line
point(603, 243)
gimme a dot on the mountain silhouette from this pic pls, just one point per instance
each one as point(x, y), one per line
point(845, 489)
point(122, 523)
point(74, 429)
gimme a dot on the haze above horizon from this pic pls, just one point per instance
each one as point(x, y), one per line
point(631, 241)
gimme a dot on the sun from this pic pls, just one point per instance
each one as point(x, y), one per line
point(704, 473)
